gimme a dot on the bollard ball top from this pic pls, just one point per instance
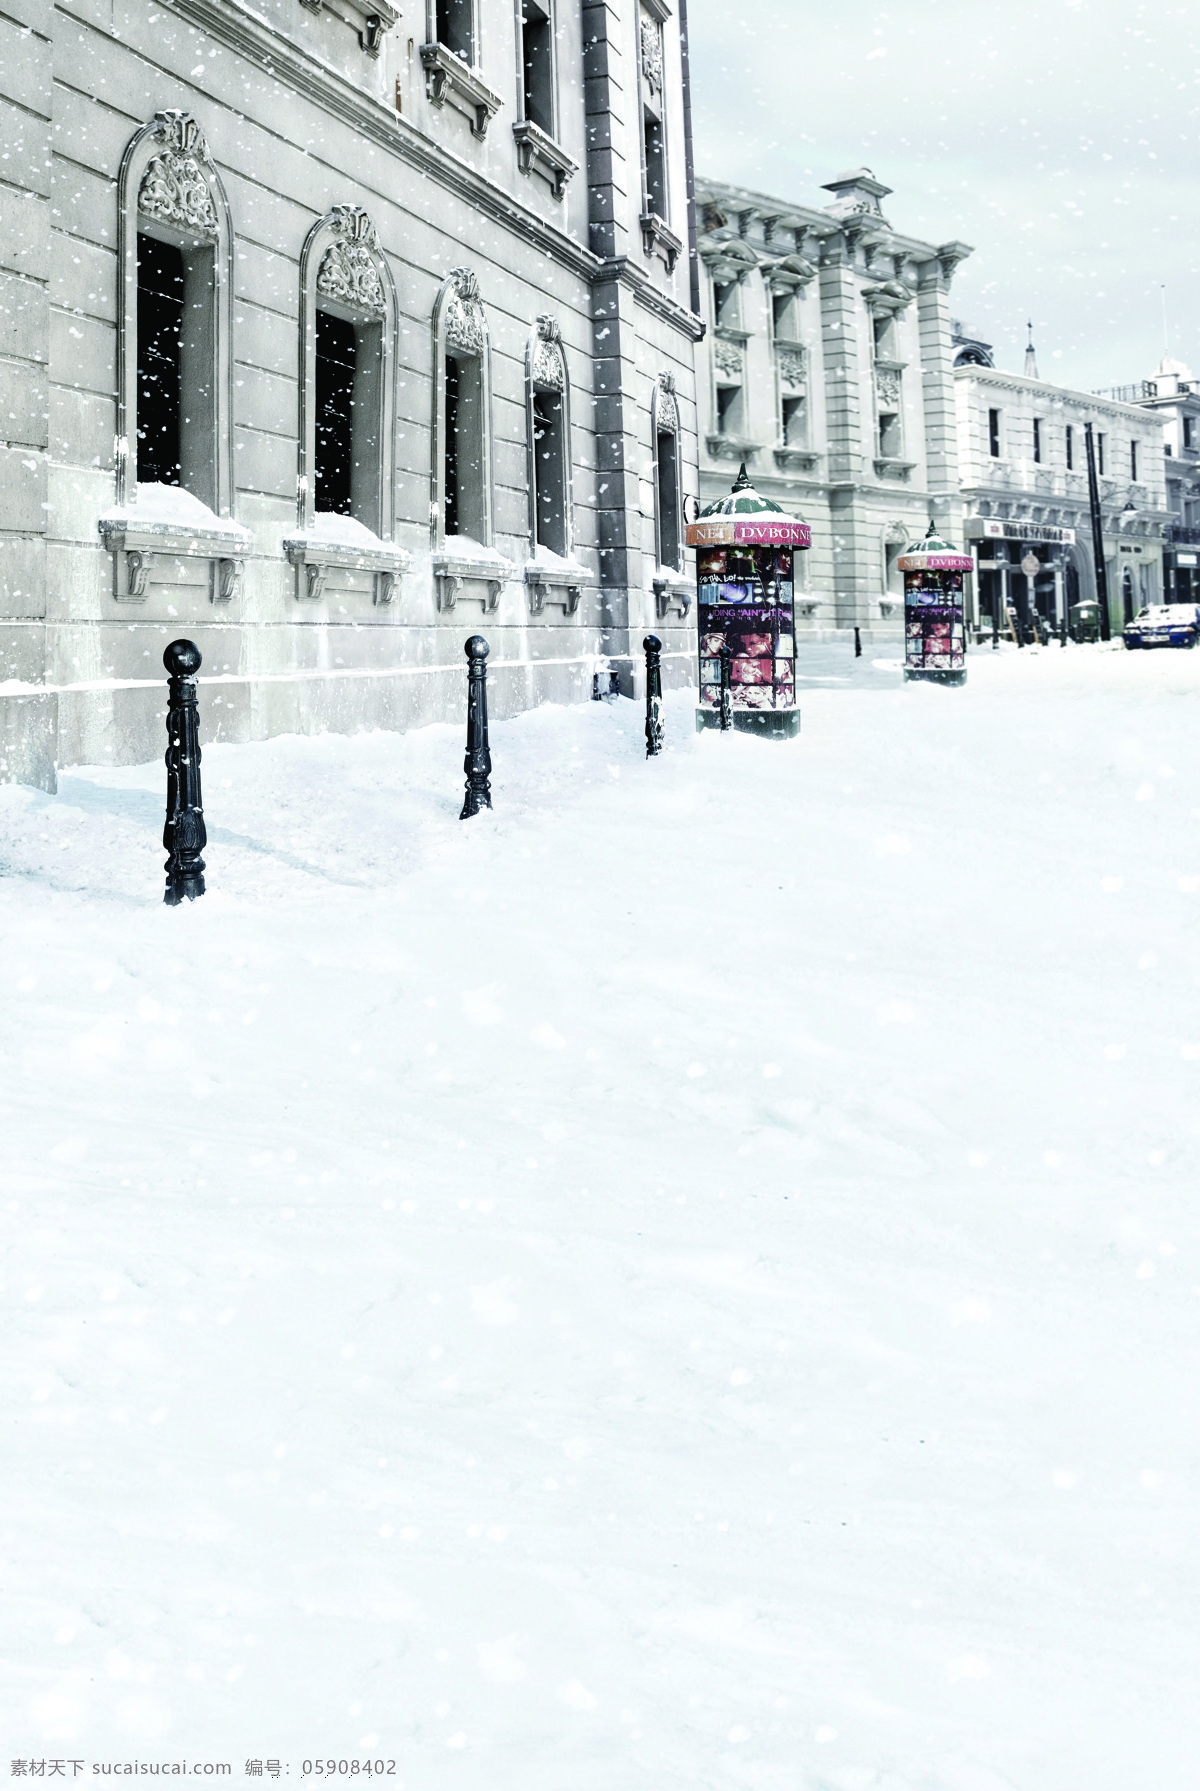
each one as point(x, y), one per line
point(651, 641)
point(476, 647)
point(182, 659)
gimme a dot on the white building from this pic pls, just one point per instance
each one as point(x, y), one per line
point(332, 336)
point(1024, 488)
point(1173, 396)
point(828, 370)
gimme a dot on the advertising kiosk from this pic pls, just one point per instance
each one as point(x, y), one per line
point(744, 558)
point(935, 642)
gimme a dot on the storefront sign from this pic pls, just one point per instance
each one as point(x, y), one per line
point(999, 528)
point(1186, 559)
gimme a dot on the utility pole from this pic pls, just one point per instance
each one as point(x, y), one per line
point(1097, 534)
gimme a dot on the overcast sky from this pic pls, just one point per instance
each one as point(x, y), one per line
point(1059, 137)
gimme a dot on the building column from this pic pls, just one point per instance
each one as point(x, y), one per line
point(937, 381)
point(28, 720)
point(1060, 593)
point(854, 575)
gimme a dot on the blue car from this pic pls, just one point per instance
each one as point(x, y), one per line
point(1164, 625)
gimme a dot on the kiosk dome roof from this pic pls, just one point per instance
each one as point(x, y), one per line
point(743, 500)
point(930, 543)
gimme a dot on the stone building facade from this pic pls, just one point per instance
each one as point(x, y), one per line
point(1173, 395)
point(1023, 464)
point(331, 336)
point(829, 371)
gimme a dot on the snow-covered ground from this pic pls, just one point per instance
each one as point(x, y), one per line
point(688, 1280)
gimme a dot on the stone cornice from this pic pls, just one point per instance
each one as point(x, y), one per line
point(1014, 382)
point(283, 59)
point(648, 295)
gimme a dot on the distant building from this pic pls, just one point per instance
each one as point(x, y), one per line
point(1024, 490)
point(1174, 397)
point(828, 370)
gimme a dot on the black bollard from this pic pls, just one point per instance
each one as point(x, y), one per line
point(184, 837)
point(726, 691)
point(857, 643)
point(654, 727)
point(478, 762)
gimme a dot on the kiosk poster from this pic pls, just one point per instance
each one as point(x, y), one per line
point(933, 621)
point(745, 602)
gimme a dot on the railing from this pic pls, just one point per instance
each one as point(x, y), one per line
point(1183, 532)
point(1135, 394)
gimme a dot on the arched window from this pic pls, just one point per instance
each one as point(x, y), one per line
point(462, 495)
point(346, 490)
point(668, 474)
point(174, 308)
point(670, 583)
point(552, 575)
point(464, 560)
point(172, 531)
point(548, 407)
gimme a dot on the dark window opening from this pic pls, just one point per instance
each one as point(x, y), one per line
point(729, 409)
point(889, 436)
point(549, 463)
point(994, 434)
point(159, 333)
point(668, 499)
point(464, 499)
point(450, 501)
point(455, 27)
point(537, 47)
point(795, 422)
point(1070, 448)
point(336, 361)
point(783, 315)
point(725, 303)
point(1037, 438)
point(1133, 460)
point(1188, 423)
point(885, 338)
point(656, 167)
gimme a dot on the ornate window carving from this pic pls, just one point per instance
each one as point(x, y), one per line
point(727, 358)
point(652, 55)
point(671, 587)
point(552, 575)
point(887, 387)
point(174, 371)
point(175, 187)
point(345, 506)
point(793, 367)
point(349, 270)
point(465, 563)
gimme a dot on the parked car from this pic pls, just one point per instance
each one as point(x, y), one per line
point(1164, 625)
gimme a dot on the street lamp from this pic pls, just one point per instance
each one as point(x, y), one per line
point(1097, 534)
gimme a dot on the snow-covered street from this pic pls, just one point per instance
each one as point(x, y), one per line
point(689, 1280)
